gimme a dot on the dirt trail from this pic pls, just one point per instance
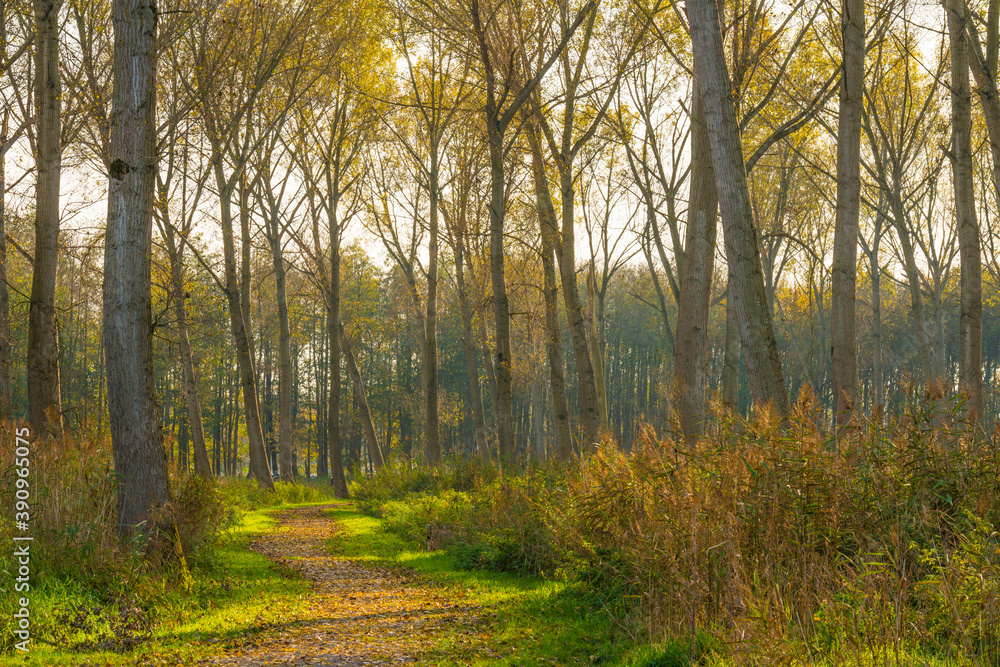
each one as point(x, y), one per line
point(358, 614)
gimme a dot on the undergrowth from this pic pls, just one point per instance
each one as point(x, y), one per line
point(768, 541)
point(89, 591)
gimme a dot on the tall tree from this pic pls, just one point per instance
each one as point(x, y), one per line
point(175, 254)
point(436, 92)
point(845, 245)
point(548, 229)
point(970, 353)
point(760, 348)
point(508, 88)
point(361, 402)
point(137, 443)
point(691, 358)
point(44, 400)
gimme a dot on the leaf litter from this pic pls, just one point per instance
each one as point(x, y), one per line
point(357, 614)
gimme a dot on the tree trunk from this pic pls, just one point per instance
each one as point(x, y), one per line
point(284, 352)
point(731, 363)
point(44, 401)
point(334, 445)
point(913, 281)
point(691, 350)
point(661, 299)
point(760, 348)
point(361, 403)
point(590, 416)
point(503, 407)
point(538, 420)
point(970, 355)
point(137, 443)
point(241, 334)
point(431, 420)
point(597, 353)
point(471, 353)
point(193, 402)
point(984, 66)
point(557, 365)
point(843, 308)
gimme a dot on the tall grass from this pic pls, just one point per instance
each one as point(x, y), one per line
point(781, 543)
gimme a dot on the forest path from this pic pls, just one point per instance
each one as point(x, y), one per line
point(359, 614)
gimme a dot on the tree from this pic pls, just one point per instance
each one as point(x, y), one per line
point(44, 400)
point(548, 229)
point(900, 119)
point(437, 90)
point(970, 353)
point(137, 443)
point(760, 348)
point(505, 95)
point(461, 211)
point(12, 127)
point(845, 248)
point(174, 239)
point(691, 359)
point(331, 137)
point(243, 56)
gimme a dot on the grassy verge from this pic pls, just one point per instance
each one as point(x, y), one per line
point(535, 621)
point(236, 595)
point(525, 620)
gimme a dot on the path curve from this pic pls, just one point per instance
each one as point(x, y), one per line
point(359, 615)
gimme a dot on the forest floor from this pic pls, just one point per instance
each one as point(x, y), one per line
point(326, 585)
point(357, 614)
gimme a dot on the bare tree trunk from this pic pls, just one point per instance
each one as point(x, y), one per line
point(760, 348)
point(557, 365)
point(361, 402)
point(284, 351)
point(538, 420)
point(843, 308)
point(691, 350)
point(984, 66)
point(661, 300)
point(970, 356)
point(491, 376)
point(503, 407)
point(597, 353)
point(877, 373)
point(334, 445)
point(44, 401)
point(241, 335)
point(731, 364)
point(913, 282)
point(875, 275)
point(471, 352)
point(193, 402)
point(137, 443)
point(431, 420)
point(590, 415)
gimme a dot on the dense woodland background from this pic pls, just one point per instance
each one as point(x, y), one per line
point(281, 126)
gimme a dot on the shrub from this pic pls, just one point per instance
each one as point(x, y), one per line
point(778, 541)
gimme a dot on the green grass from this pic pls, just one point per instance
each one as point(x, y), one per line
point(528, 620)
point(239, 593)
